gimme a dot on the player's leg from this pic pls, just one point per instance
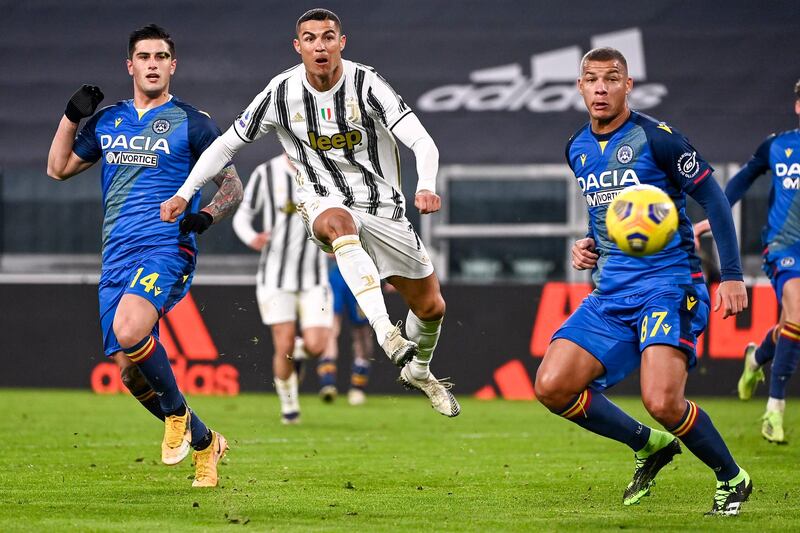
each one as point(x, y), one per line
point(563, 385)
point(135, 382)
point(787, 356)
point(593, 350)
point(336, 227)
point(363, 344)
point(326, 368)
point(154, 286)
point(113, 283)
point(285, 377)
point(663, 380)
point(423, 327)
point(755, 357)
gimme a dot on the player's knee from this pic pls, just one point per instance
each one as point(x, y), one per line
point(314, 346)
point(333, 225)
point(128, 334)
point(668, 409)
point(133, 379)
point(429, 309)
point(549, 391)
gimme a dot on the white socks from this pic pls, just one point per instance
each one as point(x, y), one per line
point(288, 394)
point(426, 335)
point(361, 275)
point(299, 352)
point(774, 404)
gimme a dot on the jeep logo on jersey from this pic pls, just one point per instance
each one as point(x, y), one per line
point(137, 142)
point(551, 85)
point(132, 159)
point(349, 140)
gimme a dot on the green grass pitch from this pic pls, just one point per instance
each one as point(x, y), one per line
point(73, 461)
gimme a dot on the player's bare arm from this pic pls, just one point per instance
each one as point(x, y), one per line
point(584, 256)
point(229, 195)
point(62, 162)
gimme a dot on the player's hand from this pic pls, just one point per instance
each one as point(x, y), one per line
point(427, 202)
point(259, 241)
point(732, 297)
point(196, 222)
point(172, 209)
point(83, 103)
point(701, 228)
point(583, 254)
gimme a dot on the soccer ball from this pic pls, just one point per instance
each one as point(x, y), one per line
point(641, 220)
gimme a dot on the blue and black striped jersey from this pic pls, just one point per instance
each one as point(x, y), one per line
point(146, 157)
point(642, 150)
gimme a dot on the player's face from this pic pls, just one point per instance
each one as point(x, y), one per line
point(151, 66)
point(604, 86)
point(320, 46)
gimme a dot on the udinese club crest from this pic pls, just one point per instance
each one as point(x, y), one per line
point(625, 154)
point(161, 126)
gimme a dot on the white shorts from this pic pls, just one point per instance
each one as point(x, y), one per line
point(312, 307)
point(393, 245)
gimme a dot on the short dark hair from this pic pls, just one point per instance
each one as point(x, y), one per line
point(605, 53)
point(151, 31)
point(318, 13)
point(797, 89)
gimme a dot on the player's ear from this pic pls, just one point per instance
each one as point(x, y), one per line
point(342, 42)
point(628, 85)
point(172, 65)
point(296, 43)
point(579, 86)
point(797, 106)
point(129, 64)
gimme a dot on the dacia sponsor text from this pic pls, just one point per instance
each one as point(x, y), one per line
point(601, 189)
point(136, 142)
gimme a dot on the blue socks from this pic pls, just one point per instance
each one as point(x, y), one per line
point(787, 355)
point(766, 350)
point(593, 411)
point(360, 376)
point(151, 359)
point(698, 433)
point(326, 370)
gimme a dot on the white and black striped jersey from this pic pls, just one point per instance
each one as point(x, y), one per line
point(291, 261)
point(340, 140)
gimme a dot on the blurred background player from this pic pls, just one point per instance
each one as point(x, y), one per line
point(339, 121)
point(292, 278)
point(645, 311)
point(147, 145)
point(779, 153)
point(345, 304)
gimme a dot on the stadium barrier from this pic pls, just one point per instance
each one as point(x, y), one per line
point(491, 344)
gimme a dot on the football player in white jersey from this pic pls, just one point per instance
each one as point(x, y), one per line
point(292, 280)
point(338, 121)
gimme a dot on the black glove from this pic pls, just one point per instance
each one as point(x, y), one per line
point(196, 222)
point(83, 103)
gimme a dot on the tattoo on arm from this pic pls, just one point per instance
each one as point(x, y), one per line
point(229, 195)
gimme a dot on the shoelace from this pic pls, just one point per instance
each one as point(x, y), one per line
point(174, 424)
point(722, 494)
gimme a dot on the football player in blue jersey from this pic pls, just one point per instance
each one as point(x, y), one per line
point(148, 145)
point(779, 153)
point(645, 312)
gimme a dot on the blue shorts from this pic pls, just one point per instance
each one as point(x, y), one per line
point(343, 299)
point(780, 267)
point(161, 278)
point(617, 328)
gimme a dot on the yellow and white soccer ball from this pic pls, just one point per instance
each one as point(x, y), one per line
point(641, 220)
